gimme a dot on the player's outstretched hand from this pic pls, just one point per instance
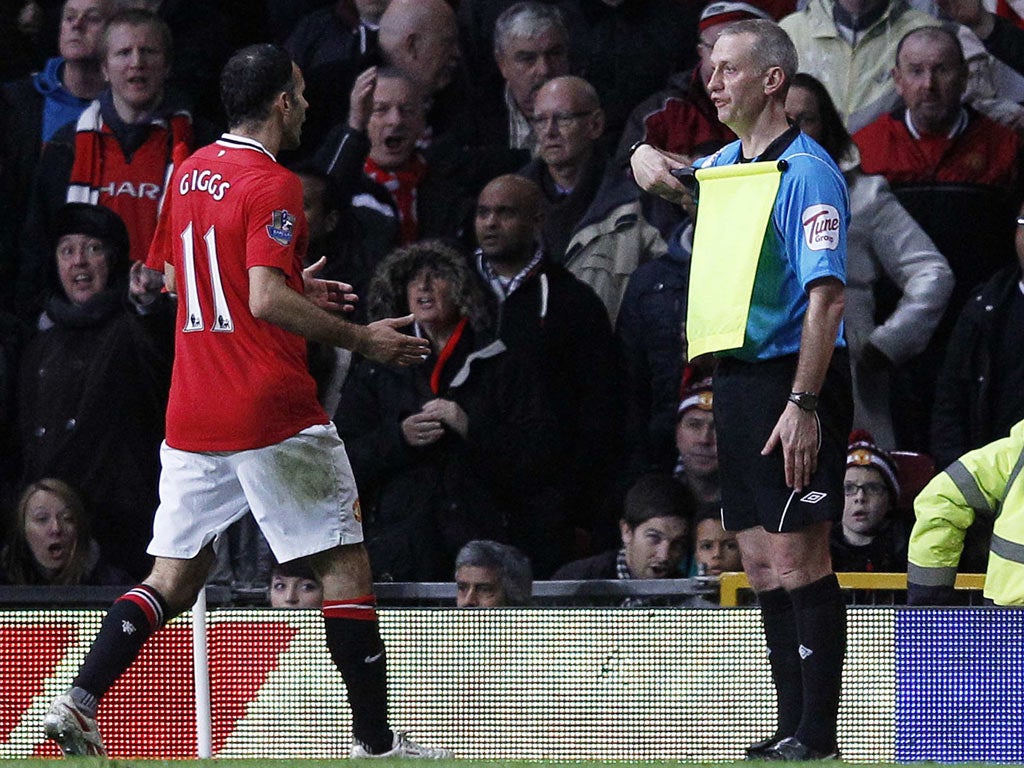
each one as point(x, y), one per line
point(332, 295)
point(385, 344)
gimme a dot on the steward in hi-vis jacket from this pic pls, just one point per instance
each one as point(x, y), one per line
point(983, 482)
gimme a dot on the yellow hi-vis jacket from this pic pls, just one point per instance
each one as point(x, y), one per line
point(988, 482)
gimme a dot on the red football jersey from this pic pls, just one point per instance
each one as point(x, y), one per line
point(238, 382)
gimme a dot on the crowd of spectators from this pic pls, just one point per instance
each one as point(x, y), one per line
point(467, 162)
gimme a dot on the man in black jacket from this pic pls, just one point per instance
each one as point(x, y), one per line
point(556, 319)
point(979, 393)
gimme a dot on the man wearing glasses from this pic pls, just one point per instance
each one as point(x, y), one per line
point(592, 221)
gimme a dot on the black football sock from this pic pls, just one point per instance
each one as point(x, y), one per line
point(353, 638)
point(821, 623)
point(780, 634)
point(131, 620)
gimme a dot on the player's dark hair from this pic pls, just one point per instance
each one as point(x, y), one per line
point(252, 79)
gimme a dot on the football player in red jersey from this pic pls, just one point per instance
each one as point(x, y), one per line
point(244, 428)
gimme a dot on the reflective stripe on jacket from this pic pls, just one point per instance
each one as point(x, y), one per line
point(984, 482)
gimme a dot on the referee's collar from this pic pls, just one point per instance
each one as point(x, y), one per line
point(774, 150)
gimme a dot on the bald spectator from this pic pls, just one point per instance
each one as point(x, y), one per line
point(420, 37)
point(34, 107)
point(592, 220)
point(559, 322)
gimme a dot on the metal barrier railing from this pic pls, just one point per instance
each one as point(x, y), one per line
point(733, 583)
point(728, 590)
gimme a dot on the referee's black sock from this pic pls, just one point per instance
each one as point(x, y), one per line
point(131, 620)
point(781, 636)
point(353, 638)
point(821, 622)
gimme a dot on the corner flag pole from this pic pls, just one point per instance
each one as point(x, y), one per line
point(201, 673)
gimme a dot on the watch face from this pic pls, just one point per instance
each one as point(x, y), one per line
point(805, 400)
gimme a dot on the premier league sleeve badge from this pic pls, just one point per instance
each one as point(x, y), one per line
point(281, 227)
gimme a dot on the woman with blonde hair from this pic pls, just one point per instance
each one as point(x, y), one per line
point(50, 541)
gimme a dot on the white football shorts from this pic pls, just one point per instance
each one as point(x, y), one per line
point(301, 492)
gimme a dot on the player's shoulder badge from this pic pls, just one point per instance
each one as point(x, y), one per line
point(821, 227)
point(281, 227)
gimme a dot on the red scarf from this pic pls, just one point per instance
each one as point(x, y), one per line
point(101, 174)
point(402, 186)
point(446, 353)
point(1004, 9)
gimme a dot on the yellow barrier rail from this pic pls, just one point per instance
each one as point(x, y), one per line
point(732, 583)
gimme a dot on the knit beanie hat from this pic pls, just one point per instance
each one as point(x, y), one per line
point(696, 391)
point(95, 221)
point(728, 11)
point(863, 452)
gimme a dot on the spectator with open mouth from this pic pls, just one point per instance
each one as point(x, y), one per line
point(50, 541)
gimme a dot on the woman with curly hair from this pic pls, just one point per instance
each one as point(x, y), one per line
point(50, 542)
point(449, 451)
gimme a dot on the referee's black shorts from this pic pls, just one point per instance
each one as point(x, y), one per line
point(749, 398)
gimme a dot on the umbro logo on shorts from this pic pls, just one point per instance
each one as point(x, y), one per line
point(813, 497)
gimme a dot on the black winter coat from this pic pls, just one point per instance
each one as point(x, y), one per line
point(91, 403)
point(420, 505)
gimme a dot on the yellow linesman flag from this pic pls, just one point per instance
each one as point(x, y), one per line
point(735, 204)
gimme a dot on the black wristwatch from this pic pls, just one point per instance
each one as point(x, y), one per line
point(805, 401)
point(634, 147)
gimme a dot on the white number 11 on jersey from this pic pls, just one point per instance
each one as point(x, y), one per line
point(194, 311)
